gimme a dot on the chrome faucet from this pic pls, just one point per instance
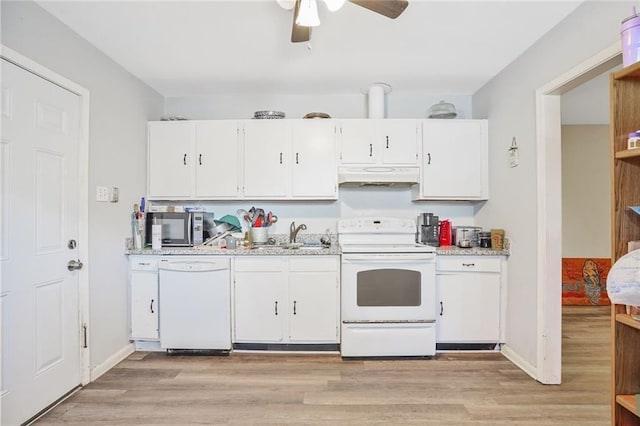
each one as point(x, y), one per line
point(293, 231)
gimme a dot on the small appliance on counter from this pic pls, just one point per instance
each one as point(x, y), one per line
point(445, 232)
point(428, 229)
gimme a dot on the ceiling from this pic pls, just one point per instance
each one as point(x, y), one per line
point(215, 47)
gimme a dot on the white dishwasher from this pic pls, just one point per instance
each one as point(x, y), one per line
point(195, 302)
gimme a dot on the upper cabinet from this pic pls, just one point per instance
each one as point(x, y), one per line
point(171, 162)
point(314, 159)
point(454, 161)
point(250, 159)
point(379, 141)
point(267, 159)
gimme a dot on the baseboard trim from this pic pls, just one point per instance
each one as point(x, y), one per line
point(519, 361)
point(111, 362)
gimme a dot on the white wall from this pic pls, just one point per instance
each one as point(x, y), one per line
point(586, 191)
point(588, 103)
point(345, 105)
point(120, 107)
point(508, 101)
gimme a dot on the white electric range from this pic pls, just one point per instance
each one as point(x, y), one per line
point(388, 289)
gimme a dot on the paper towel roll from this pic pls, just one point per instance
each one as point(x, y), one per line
point(156, 237)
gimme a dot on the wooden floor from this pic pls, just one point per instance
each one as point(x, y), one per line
point(459, 389)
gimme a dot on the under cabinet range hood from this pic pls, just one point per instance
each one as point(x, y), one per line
point(378, 176)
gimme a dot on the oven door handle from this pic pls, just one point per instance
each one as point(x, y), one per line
point(387, 258)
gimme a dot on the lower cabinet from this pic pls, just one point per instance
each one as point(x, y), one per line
point(469, 297)
point(288, 299)
point(143, 293)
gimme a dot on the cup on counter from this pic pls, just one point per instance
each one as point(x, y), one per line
point(260, 235)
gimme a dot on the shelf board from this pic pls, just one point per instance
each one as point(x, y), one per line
point(627, 320)
point(628, 153)
point(629, 402)
point(632, 71)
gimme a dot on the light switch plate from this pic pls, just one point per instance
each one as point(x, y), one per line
point(102, 194)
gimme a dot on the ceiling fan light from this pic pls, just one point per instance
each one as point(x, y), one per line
point(334, 5)
point(308, 14)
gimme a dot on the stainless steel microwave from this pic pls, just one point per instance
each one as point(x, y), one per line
point(180, 229)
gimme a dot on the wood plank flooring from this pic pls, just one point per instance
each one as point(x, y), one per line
point(276, 389)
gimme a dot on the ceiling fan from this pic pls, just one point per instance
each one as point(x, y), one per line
point(305, 13)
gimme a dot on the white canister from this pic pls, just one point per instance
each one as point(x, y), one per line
point(156, 237)
point(260, 235)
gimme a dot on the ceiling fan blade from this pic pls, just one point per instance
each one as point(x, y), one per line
point(298, 32)
point(389, 8)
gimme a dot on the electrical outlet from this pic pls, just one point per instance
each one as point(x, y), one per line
point(102, 194)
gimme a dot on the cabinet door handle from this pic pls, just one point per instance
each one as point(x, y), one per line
point(280, 158)
point(184, 160)
point(441, 308)
point(428, 158)
point(276, 307)
point(370, 150)
point(200, 159)
point(294, 307)
point(468, 265)
point(297, 158)
point(151, 306)
point(387, 142)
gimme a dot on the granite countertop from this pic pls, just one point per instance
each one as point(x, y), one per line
point(472, 251)
point(312, 248)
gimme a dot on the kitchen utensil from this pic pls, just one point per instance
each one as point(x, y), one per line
point(442, 110)
point(273, 219)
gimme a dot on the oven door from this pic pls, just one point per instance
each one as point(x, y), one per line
point(380, 287)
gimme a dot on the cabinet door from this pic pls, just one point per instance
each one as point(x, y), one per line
point(217, 159)
point(469, 307)
point(454, 159)
point(267, 146)
point(260, 302)
point(357, 141)
point(144, 305)
point(314, 299)
point(315, 164)
point(400, 141)
point(171, 159)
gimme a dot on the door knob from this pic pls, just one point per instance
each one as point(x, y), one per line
point(74, 265)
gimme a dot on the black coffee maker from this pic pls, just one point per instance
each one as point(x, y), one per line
point(430, 232)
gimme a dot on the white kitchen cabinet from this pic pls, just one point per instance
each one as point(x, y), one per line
point(314, 166)
point(217, 158)
point(143, 296)
point(380, 141)
point(313, 299)
point(171, 159)
point(260, 299)
point(286, 299)
point(267, 162)
point(290, 159)
point(194, 159)
point(470, 299)
point(454, 161)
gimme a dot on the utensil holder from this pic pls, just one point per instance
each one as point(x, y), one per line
point(260, 235)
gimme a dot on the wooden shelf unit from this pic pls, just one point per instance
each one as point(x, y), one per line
point(625, 225)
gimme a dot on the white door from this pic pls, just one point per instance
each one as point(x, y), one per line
point(315, 162)
point(40, 214)
point(400, 141)
point(453, 149)
point(260, 295)
point(357, 141)
point(217, 159)
point(171, 159)
point(469, 307)
point(267, 147)
point(313, 306)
